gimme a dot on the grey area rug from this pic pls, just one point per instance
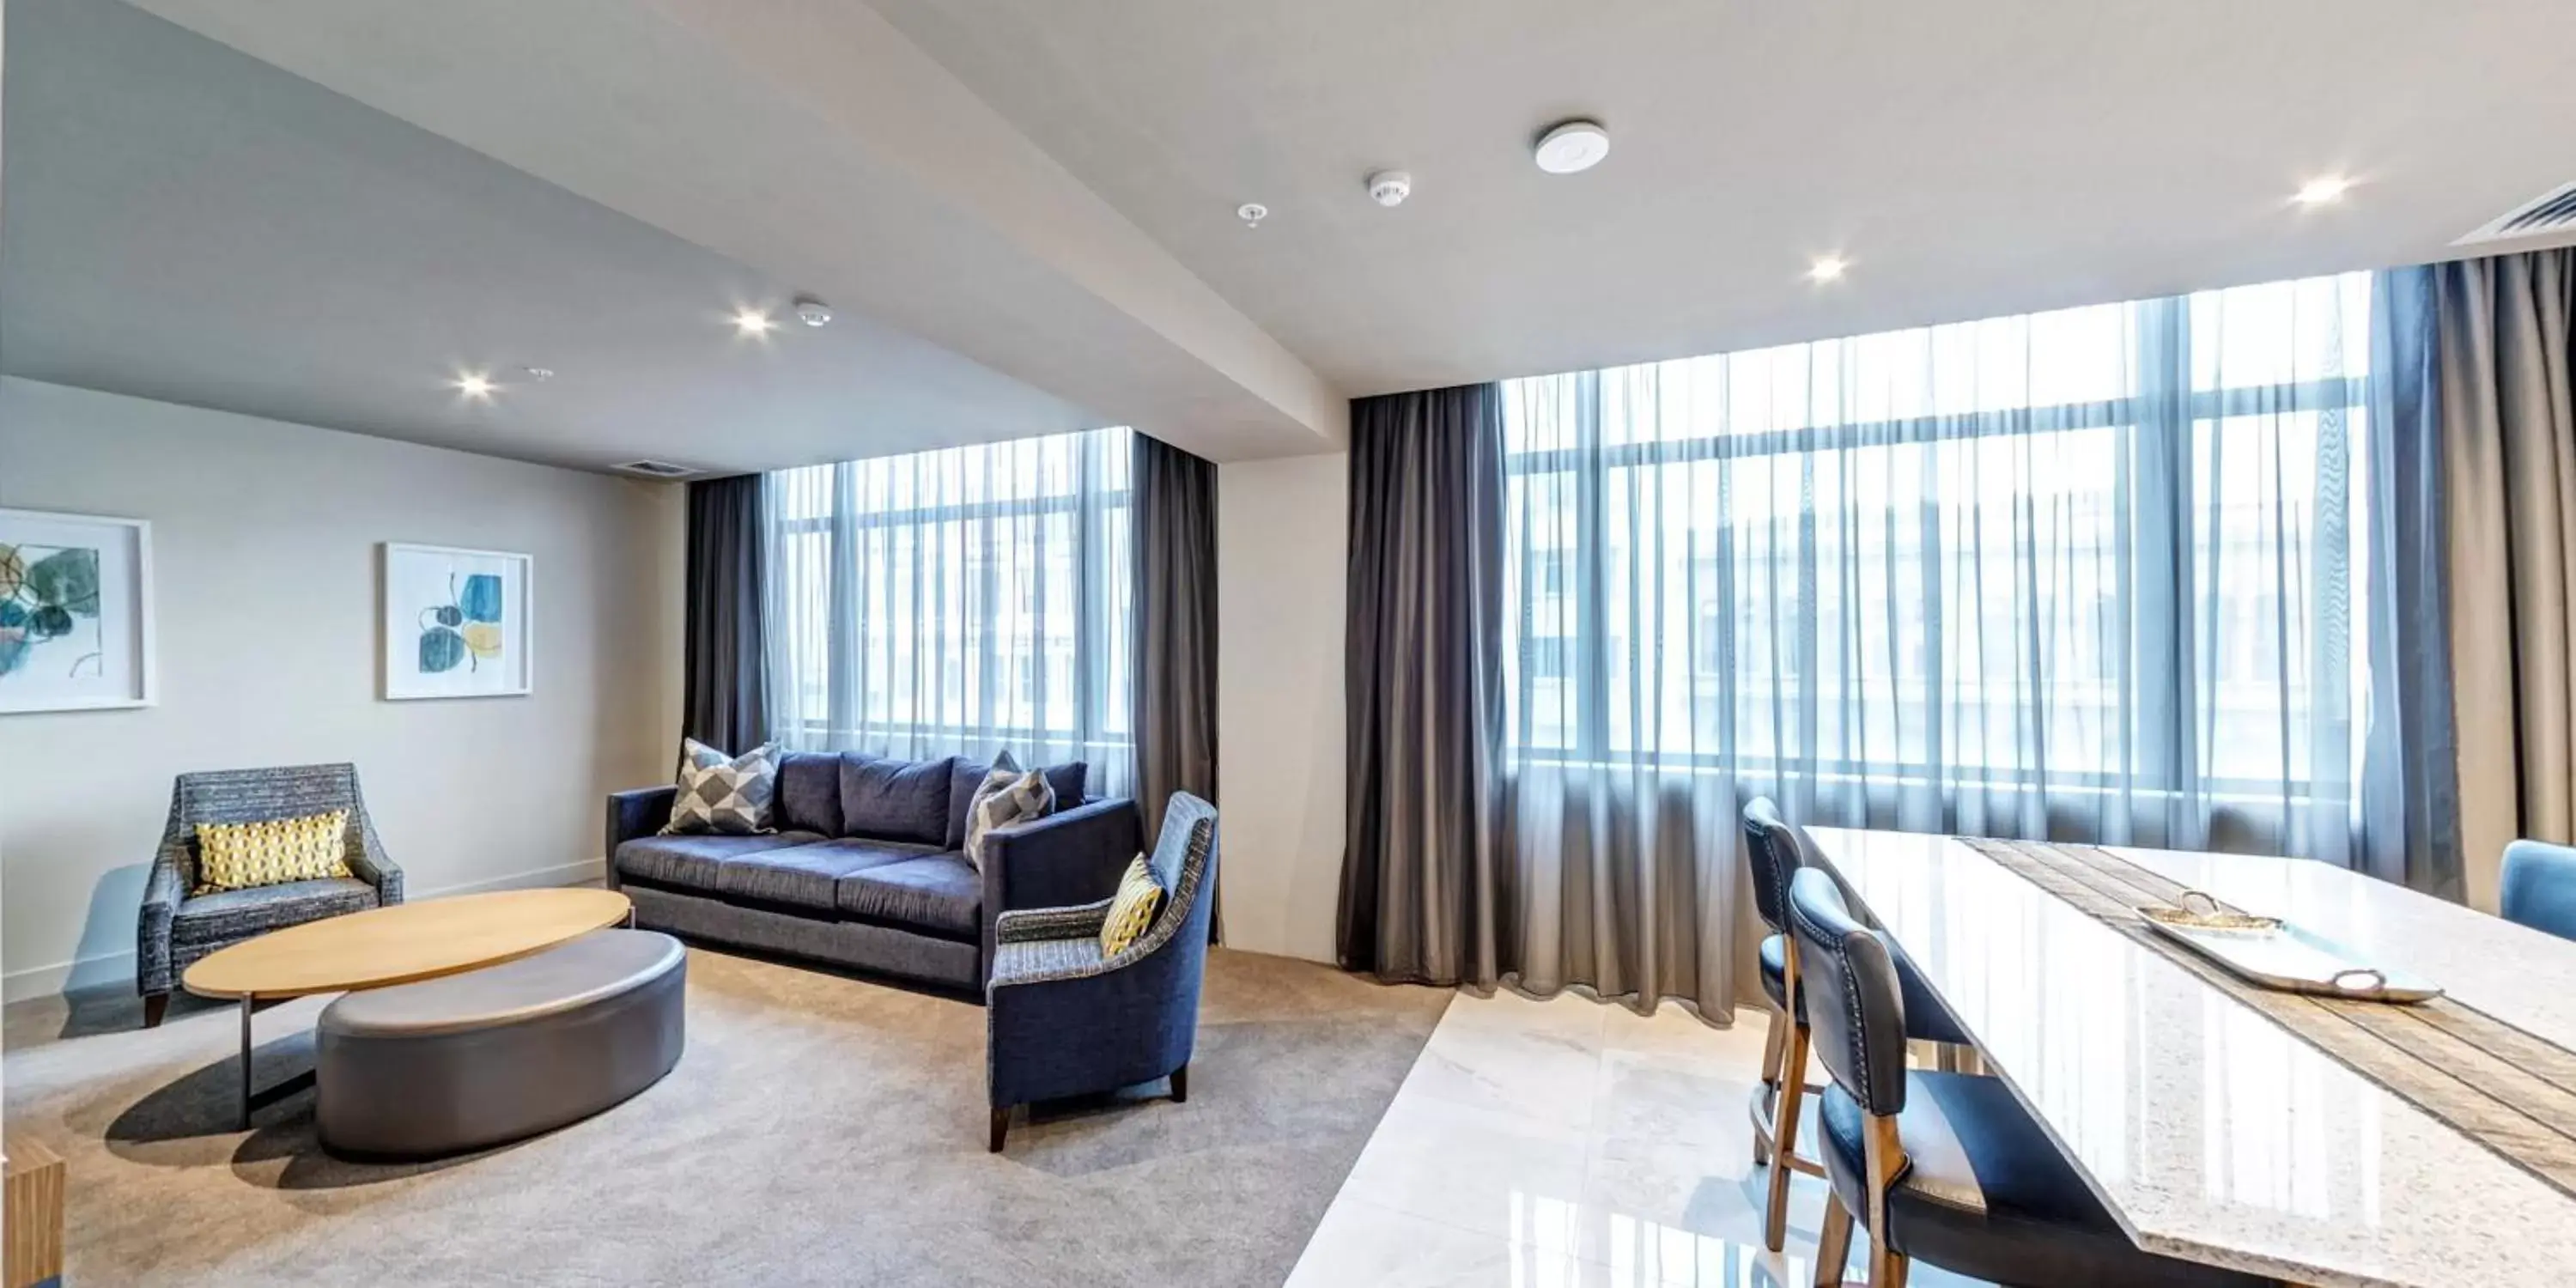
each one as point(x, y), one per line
point(819, 1130)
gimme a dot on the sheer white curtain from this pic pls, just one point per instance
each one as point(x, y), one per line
point(958, 601)
point(2089, 574)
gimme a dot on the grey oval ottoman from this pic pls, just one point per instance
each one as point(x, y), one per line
point(495, 1055)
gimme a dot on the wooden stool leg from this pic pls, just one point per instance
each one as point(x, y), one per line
point(1833, 1244)
point(1784, 1138)
point(1775, 1043)
point(155, 1005)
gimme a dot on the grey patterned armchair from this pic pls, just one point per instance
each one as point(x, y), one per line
point(178, 926)
point(1061, 1020)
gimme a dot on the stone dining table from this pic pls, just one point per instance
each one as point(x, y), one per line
point(2217, 1132)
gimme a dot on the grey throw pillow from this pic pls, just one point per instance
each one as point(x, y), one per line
point(1007, 796)
point(718, 793)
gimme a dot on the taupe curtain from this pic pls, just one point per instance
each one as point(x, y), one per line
point(1174, 693)
point(1425, 888)
point(2508, 433)
point(725, 699)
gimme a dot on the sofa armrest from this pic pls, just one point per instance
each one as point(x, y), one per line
point(1064, 859)
point(1029, 924)
point(631, 814)
point(163, 891)
point(370, 863)
point(1070, 857)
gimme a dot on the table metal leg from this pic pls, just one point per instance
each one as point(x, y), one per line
point(253, 1098)
point(244, 1123)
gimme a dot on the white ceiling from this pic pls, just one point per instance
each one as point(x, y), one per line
point(1023, 209)
point(186, 223)
point(1971, 157)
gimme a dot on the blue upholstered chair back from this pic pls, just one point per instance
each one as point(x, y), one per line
point(1854, 1004)
point(1771, 850)
point(2540, 887)
point(1183, 860)
point(256, 795)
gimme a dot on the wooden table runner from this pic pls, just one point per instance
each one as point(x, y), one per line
point(2510, 1091)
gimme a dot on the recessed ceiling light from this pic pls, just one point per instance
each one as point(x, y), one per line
point(1572, 146)
point(811, 311)
point(1252, 213)
point(1828, 268)
point(752, 321)
point(474, 385)
point(540, 374)
point(2325, 191)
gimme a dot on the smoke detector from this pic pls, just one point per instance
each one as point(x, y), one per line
point(811, 311)
point(1252, 213)
point(1390, 187)
point(1572, 146)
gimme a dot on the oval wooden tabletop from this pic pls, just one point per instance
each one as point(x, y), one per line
point(403, 943)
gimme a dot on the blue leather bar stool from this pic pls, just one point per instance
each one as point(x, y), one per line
point(2540, 887)
point(1947, 1167)
point(1778, 850)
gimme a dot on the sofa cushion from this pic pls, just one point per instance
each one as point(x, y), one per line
point(694, 862)
point(729, 795)
point(229, 915)
point(809, 792)
point(1064, 780)
point(896, 800)
point(937, 893)
point(805, 876)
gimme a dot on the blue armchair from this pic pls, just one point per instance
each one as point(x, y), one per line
point(178, 925)
point(1062, 1020)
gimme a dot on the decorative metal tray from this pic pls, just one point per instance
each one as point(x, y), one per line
point(2275, 954)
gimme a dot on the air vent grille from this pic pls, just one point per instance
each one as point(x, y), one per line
point(2553, 211)
point(657, 469)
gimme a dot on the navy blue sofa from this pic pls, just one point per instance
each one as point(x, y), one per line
point(867, 868)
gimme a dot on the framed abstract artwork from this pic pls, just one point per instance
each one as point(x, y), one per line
point(75, 612)
point(456, 622)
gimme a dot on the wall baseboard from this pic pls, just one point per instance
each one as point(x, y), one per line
point(116, 970)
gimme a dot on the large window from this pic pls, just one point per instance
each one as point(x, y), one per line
point(957, 601)
point(2099, 561)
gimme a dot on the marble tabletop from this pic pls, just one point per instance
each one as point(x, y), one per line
point(2210, 1132)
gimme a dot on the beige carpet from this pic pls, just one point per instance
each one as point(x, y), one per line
point(820, 1130)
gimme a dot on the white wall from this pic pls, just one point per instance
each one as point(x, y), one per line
point(264, 543)
point(1283, 536)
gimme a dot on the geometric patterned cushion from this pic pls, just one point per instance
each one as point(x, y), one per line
point(1006, 796)
point(270, 851)
point(726, 795)
point(1132, 910)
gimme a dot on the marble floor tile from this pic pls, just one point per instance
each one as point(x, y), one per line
point(1477, 1168)
point(1562, 1141)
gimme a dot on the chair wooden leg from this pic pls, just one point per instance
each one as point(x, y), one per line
point(1833, 1244)
point(1775, 1043)
point(155, 1005)
point(1001, 1128)
point(1784, 1138)
point(1887, 1269)
point(1181, 1085)
point(1775, 1037)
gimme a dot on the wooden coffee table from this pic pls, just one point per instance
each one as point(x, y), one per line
point(397, 945)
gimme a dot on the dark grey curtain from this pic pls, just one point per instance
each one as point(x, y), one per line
point(1174, 692)
point(2503, 352)
point(2410, 798)
point(725, 703)
point(1425, 884)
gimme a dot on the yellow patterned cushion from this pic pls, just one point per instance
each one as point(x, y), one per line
point(274, 851)
point(1132, 910)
